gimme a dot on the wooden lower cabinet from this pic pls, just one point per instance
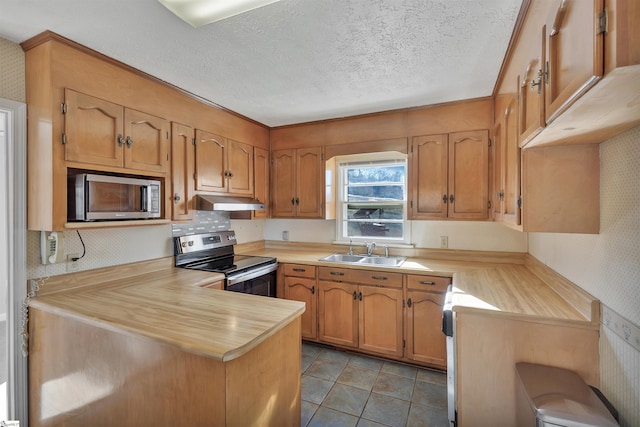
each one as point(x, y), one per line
point(425, 340)
point(338, 313)
point(380, 320)
point(304, 289)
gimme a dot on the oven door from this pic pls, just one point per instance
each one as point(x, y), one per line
point(448, 328)
point(258, 281)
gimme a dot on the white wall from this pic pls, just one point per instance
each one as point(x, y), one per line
point(4, 238)
point(482, 236)
point(607, 265)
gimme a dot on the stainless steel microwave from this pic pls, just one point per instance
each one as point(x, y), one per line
point(92, 197)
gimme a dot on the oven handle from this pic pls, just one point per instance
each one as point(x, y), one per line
point(251, 274)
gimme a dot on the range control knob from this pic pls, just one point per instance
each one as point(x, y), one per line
point(191, 243)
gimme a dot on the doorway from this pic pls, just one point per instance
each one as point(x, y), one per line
point(13, 365)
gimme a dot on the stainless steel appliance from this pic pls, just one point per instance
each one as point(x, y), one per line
point(93, 197)
point(448, 328)
point(214, 252)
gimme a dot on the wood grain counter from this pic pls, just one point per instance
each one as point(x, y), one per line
point(145, 344)
point(168, 304)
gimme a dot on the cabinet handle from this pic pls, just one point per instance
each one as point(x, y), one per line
point(444, 198)
point(176, 198)
point(355, 295)
point(451, 198)
point(120, 140)
point(336, 273)
point(128, 141)
point(230, 174)
point(299, 270)
point(293, 201)
point(537, 83)
point(360, 296)
point(313, 290)
point(297, 201)
point(409, 303)
point(379, 277)
point(424, 282)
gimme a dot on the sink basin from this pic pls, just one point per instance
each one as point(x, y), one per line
point(344, 258)
point(390, 261)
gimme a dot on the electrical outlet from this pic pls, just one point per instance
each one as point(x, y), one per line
point(285, 235)
point(71, 264)
point(444, 242)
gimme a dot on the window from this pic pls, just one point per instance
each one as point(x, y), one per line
point(372, 198)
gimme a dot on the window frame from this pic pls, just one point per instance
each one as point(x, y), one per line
point(393, 158)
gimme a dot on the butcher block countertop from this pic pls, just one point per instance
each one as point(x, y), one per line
point(156, 300)
point(507, 285)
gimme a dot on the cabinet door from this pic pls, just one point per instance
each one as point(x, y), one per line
point(469, 175)
point(210, 162)
point(303, 289)
point(182, 167)
point(531, 94)
point(380, 320)
point(429, 176)
point(261, 180)
point(574, 57)
point(310, 182)
point(511, 165)
point(338, 313)
point(240, 168)
point(425, 340)
point(497, 159)
point(93, 130)
point(283, 184)
point(146, 140)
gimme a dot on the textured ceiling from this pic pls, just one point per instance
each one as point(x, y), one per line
point(296, 60)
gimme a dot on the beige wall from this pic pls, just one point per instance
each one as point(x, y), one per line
point(607, 265)
point(11, 71)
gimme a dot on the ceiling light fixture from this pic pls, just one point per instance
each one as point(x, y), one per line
point(202, 12)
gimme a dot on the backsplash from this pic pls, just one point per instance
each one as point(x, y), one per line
point(12, 82)
point(204, 222)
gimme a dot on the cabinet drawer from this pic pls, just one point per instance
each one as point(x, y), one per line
point(335, 274)
point(299, 270)
point(428, 283)
point(378, 278)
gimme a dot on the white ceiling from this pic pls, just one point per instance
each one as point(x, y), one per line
point(296, 60)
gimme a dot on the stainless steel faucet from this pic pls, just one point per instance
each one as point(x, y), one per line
point(370, 247)
point(350, 246)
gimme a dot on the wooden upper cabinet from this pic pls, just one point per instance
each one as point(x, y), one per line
point(574, 53)
point(283, 183)
point(506, 191)
point(530, 92)
point(210, 162)
point(240, 168)
point(297, 183)
point(469, 175)
point(93, 130)
point(261, 180)
point(182, 168)
point(429, 176)
point(450, 175)
point(146, 139)
point(99, 132)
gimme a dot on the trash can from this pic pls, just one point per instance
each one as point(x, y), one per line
point(554, 397)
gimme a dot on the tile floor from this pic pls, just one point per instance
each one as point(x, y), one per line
point(344, 389)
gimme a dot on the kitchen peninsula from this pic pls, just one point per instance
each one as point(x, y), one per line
point(149, 344)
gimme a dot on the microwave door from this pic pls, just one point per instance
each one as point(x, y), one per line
point(115, 200)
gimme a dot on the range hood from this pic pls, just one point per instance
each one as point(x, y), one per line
point(205, 202)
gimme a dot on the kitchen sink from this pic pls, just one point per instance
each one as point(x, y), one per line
point(382, 261)
point(344, 258)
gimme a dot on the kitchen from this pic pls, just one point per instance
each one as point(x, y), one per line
point(609, 256)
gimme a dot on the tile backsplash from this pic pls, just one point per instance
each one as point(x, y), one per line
point(204, 222)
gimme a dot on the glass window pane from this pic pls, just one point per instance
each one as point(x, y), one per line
point(375, 212)
point(375, 193)
point(375, 229)
point(390, 174)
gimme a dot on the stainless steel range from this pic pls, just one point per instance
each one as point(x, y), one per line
point(214, 252)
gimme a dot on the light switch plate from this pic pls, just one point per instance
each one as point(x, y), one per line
point(444, 242)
